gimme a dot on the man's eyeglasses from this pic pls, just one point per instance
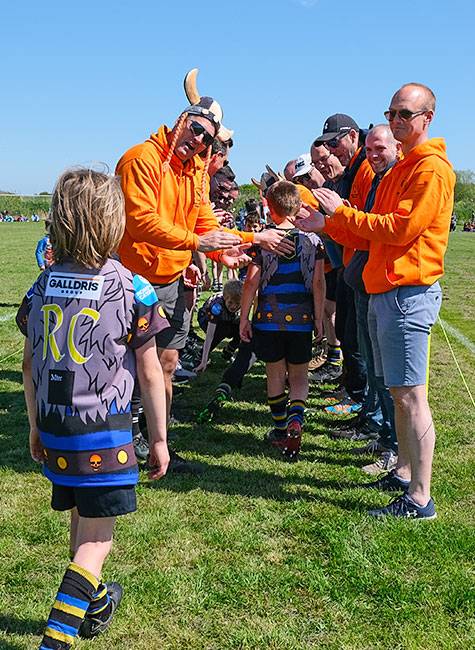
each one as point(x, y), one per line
point(322, 163)
point(404, 114)
point(303, 178)
point(198, 129)
point(334, 142)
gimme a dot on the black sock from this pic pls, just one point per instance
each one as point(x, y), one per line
point(69, 609)
point(278, 409)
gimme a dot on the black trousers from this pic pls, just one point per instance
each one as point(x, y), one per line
point(355, 378)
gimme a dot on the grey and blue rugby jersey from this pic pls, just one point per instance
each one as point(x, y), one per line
point(285, 300)
point(83, 326)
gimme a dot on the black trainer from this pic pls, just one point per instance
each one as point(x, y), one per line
point(178, 465)
point(207, 414)
point(276, 437)
point(140, 447)
point(92, 626)
point(387, 483)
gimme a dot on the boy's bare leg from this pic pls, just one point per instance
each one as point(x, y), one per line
point(276, 375)
point(93, 543)
point(329, 322)
point(298, 381)
point(73, 529)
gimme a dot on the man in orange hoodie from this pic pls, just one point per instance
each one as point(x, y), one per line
point(407, 232)
point(168, 215)
point(344, 139)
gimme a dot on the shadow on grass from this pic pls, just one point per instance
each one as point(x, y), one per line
point(12, 625)
point(14, 428)
point(254, 483)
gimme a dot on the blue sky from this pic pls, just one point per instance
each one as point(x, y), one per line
point(82, 82)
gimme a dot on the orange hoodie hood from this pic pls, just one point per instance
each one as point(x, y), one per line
point(409, 225)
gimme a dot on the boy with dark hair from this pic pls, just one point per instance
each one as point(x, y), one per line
point(89, 325)
point(290, 306)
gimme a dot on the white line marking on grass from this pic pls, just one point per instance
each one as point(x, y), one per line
point(461, 338)
point(4, 318)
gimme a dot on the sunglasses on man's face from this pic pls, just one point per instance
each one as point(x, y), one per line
point(198, 129)
point(404, 114)
point(334, 142)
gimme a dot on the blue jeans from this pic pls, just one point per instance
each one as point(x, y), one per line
point(371, 409)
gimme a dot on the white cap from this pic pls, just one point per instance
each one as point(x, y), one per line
point(303, 165)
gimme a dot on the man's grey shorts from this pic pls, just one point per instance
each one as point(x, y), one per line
point(171, 297)
point(399, 325)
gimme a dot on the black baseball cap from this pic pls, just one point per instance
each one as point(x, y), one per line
point(336, 125)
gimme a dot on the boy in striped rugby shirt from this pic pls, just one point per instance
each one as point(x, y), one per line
point(90, 326)
point(290, 307)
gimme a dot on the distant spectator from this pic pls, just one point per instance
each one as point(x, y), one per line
point(44, 253)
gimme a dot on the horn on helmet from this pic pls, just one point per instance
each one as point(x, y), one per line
point(191, 89)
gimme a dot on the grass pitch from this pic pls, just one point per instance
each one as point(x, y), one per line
point(256, 553)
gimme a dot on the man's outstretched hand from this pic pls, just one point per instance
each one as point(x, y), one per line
point(236, 257)
point(216, 240)
point(328, 199)
point(275, 241)
point(310, 220)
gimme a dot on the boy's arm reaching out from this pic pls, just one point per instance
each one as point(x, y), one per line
point(210, 330)
point(36, 448)
point(152, 387)
point(251, 285)
point(319, 288)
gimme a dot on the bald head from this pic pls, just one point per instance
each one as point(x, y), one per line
point(289, 170)
point(381, 148)
point(382, 131)
point(410, 113)
point(421, 94)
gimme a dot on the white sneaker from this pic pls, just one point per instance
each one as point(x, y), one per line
point(385, 463)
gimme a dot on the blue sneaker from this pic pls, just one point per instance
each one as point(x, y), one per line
point(404, 507)
point(387, 483)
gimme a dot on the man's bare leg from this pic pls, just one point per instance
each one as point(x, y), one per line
point(168, 361)
point(416, 439)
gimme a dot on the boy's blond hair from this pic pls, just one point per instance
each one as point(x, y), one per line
point(86, 221)
point(283, 199)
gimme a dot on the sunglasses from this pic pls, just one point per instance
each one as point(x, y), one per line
point(404, 114)
point(334, 142)
point(198, 129)
point(302, 178)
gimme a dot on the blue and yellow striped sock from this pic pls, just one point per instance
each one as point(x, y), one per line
point(278, 409)
point(295, 411)
point(334, 354)
point(69, 609)
point(100, 603)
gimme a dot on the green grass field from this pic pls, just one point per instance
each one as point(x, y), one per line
point(256, 553)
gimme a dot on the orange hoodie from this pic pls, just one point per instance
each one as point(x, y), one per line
point(165, 212)
point(409, 227)
point(359, 191)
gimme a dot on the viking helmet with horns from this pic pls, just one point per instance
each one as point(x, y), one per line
point(205, 106)
point(268, 178)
